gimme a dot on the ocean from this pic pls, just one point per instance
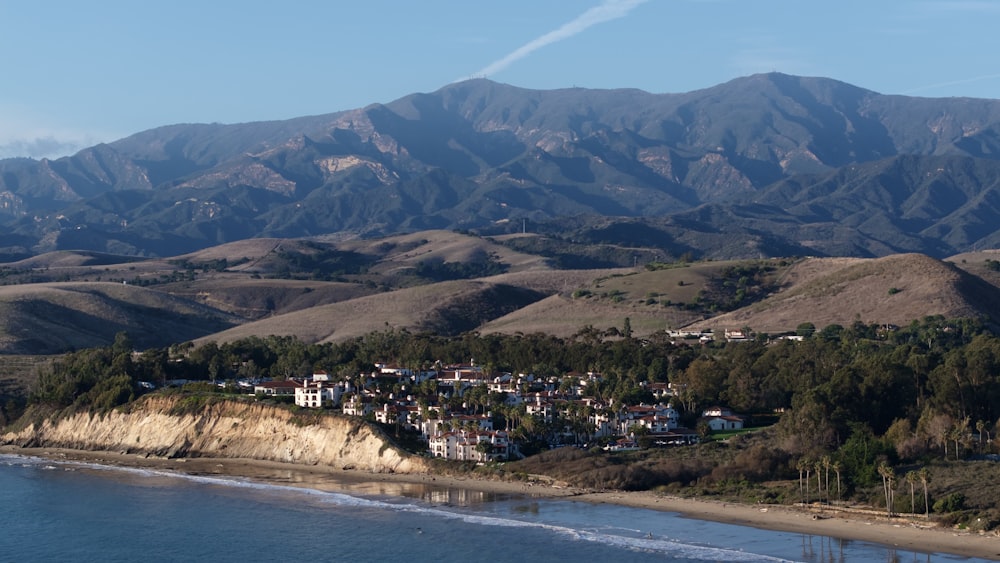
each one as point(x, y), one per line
point(72, 511)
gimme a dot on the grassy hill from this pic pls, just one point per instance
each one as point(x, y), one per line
point(895, 289)
point(448, 283)
point(51, 318)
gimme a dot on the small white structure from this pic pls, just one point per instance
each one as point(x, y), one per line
point(721, 418)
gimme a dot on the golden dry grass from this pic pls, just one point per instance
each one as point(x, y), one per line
point(406, 251)
point(564, 316)
point(896, 289)
point(53, 317)
point(823, 291)
point(256, 298)
point(410, 308)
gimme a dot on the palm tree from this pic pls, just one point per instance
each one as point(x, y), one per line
point(801, 466)
point(888, 479)
point(924, 478)
point(960, 435)
point(818, 465)
point(808, 468)
point(836, 466)
point(911, 478)
point(825, 461)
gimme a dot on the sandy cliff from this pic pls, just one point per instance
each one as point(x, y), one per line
point(185, 427)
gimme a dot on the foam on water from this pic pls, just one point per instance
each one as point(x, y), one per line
point(654, 545)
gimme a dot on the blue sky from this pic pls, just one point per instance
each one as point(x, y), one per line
point(76, 73)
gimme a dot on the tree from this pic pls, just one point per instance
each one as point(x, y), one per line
point(808, 468)
point(937, 426)
point(819, 480)
point(825, 462)
point(924, 477)
point(837, 467)
point(484, 448)
point(805, 330)
point(801, 466)
point(888, 485)
point(960, 435)
point(911, 479)
point(627, 328)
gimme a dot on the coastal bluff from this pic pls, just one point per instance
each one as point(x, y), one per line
point(179, 426)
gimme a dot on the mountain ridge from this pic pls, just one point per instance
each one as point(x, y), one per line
point(485, 156)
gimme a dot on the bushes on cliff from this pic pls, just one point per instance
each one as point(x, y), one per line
point(93, 378)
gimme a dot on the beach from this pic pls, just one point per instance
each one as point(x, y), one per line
point(899, 533)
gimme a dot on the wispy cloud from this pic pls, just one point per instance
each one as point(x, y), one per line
point(607, 10)
point(960, 6)
point(926, 87)
point(40, 147)
point(28, 133)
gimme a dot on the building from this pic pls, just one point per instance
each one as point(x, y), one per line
point(317, 394)
point(277, 388)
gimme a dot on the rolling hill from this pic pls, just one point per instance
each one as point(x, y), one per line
point(295, 287)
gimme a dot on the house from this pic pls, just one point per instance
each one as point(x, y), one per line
point(406, 415)
point(721, 418)
point(719, 423)
point(716, 411)
point(657, 418)
point(479, 446)
point(736, 335)
point(277, 388)
point(316, 394)
point(358, 405)
point(659, 390)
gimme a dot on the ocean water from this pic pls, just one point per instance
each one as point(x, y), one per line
point(67, 511)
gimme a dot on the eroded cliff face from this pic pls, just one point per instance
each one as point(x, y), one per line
point(178, 427)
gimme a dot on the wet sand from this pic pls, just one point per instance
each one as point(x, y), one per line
point(916, 535)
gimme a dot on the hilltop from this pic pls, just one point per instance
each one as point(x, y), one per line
point(768, 165)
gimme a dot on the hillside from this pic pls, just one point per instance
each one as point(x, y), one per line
point(446, 308)
point(52, 318)
point(449, 283)
point(767, 165)
point(892, 290)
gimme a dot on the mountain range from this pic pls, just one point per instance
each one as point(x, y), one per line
point(761, 166)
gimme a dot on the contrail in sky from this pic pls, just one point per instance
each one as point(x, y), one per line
point(952, 83)
point(607, 10)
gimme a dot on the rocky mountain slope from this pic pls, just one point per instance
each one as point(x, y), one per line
point(767, 165)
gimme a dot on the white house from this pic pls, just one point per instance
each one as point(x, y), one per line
point(721, 418)
point(315, 394)
point(358, 405)
point(464, 446)
point(717, 423)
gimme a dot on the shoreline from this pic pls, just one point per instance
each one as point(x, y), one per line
point(443, 489)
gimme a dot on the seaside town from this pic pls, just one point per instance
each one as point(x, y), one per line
point(460, 424)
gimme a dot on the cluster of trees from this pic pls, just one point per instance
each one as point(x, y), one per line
point(438, 270)
point(860, 393)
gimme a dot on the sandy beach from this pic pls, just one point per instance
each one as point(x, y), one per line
point(915, 536)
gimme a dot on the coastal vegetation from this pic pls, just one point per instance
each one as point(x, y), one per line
point(846, 413)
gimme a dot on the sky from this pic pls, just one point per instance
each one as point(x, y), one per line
point(76, 73)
